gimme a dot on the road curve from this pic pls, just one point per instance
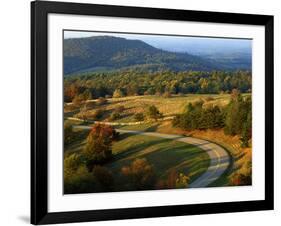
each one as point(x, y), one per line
point(219, 158)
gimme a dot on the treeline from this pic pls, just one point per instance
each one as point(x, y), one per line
point(235, 118)
point(130, 83)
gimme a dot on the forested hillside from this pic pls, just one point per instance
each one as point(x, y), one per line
point(133, 82)
point(104, 53)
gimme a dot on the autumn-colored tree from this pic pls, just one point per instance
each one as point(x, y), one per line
point(118, 93)
point(77, 100)
point(167, 94)
point(140, 174)
point(174, 180)
point(70, 91)
point(99, 143)
point(241, 179)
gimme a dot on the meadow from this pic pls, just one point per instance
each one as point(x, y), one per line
point(168, 160)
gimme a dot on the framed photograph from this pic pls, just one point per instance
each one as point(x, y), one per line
point(145, 112)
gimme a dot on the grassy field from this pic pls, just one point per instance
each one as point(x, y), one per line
point(136, 104)
point(241, 157)
point(165, 155)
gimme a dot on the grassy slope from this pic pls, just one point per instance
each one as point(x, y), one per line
point(164, 154)
point(176, 104)
point(241, 157)
point(167, 106)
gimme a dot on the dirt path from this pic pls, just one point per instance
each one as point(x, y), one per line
point(219, 158)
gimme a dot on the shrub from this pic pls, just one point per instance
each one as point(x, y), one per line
point(153, 112)
point(77, 100)
point(140, 174)
point(79, 181)
point(182, 181)
point(114, 116)
point(72, 163)
point(118, 93)
point(97, 114)
point(167, 94)
point(139, 117)
point(241, 179)
point(104, 178)
point(68, 133)
point(174, 180)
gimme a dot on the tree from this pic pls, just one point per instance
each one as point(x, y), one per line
point(77, 100)
point(87, 95)
point(238, 117)
point(153, 112)
point(140, 174)
point(233, 122)
point(115, 116)
point(132, 90)
point(246, 133)
point(96, 115)
point(98, 148)
point(139, 117)
point(174, 180)
point(182, 181)
point(68, 133)
point(72, 163)
point(167, 94)
point(118, 93)
point(104, 178)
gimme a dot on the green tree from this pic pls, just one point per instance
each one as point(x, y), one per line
point(139, 116)
point(104, 178)
point(68, 133)
point(115, 116)
point(153, 112)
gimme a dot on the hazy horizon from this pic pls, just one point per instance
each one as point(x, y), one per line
point(192, 44)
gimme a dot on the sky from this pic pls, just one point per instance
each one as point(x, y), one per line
point(195, 45)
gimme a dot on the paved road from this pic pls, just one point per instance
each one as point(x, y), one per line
point(219, 158)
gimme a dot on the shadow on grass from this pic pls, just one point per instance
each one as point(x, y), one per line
point(151, 128)
point(136, 148)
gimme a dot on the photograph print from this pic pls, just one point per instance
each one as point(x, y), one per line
point(155, 111)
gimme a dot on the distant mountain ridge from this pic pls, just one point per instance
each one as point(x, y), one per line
point(111, 53)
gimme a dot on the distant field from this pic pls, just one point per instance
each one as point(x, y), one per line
point(136, 104)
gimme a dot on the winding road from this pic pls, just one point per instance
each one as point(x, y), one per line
point(219, 158)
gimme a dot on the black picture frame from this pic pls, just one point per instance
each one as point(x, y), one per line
point(39, 112)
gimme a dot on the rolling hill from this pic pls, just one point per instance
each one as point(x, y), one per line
point(103, 53)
